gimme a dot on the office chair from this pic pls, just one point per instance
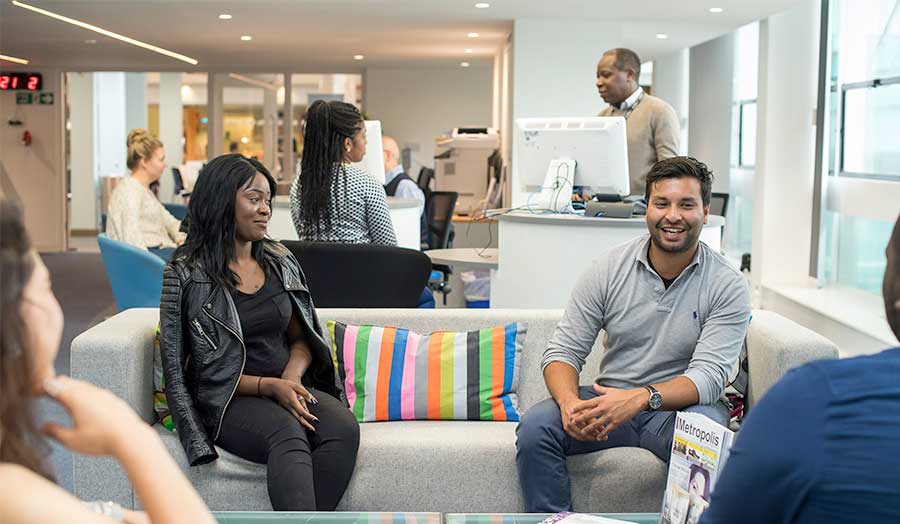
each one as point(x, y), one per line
point(179, 185)
point(178, 211)
point(361, 275)
point(134, 274)
point(718, 204)
point(439, 206)
point(426, 175)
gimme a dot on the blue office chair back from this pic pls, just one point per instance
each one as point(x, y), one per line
point(134, 274)
point(177, 210)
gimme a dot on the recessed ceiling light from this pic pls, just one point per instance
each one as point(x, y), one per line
point(715, 9)
point(473, 35)
point(90, 42)
point(469, 51)
point(662, 36)
point(464, 64)
point(482, 5)
point(14, 59)
point(106, 32)
point(246, 38)
point(358, 57)
point(225, 16)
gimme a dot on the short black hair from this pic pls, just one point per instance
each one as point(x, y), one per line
point(627, 60)
point(680, 167)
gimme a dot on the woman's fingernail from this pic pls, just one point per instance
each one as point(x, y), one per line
point(313, 399)
point(52, 386)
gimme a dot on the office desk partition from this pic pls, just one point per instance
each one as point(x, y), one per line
point(542, 255)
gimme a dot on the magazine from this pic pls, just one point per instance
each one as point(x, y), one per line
point(699, 450)
point(568, 517)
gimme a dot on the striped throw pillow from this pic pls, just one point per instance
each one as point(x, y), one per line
point(390, 373)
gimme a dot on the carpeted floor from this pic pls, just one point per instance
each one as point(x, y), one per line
point(80, 285)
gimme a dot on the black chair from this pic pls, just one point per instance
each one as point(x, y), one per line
point(179, 184)
point(439, 206)
point(426, 175)
point(718, 204)
point(362, 275)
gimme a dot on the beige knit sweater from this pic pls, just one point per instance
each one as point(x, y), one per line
point(653, 134)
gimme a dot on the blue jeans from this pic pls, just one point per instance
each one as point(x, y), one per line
point(542, 447)
point(426, 299)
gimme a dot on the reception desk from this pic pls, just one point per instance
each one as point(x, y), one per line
point(542, 255)
point(404, 216)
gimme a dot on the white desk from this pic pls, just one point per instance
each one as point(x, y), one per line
point(465, 257)
point(404, 217)
point(541, 256)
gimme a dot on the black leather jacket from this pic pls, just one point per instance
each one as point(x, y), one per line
point(203, 353)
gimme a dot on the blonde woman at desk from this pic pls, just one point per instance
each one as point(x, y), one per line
point(136, 216)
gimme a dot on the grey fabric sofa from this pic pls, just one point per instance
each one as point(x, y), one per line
point(444, 466)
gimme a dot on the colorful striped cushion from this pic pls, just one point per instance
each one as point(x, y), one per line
point(390, 373)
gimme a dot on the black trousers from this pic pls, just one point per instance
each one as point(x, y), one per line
point(306, 470)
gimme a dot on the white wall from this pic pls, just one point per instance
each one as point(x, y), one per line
point(35, 175)
point(709, 120)
point(786, 138)
point(135, 100)
point(110, 130)
point(418, 104)
point(83, 182)
point(171, 129)
point(671, 82)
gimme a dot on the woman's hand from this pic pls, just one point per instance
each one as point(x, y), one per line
point(101, 421)
point(291, 396)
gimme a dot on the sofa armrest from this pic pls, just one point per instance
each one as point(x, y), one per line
point(775, 345)
point(117, 355)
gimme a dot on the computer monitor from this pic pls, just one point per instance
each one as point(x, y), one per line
point(373, 162)
point(597, 145)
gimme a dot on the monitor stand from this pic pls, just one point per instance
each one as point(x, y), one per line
point(556, 191)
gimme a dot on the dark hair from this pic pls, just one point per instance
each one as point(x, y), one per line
point(680, 167)
point(891, 283)
point(627, 60)
point(20, 442)
point(211, 232)
point(697, 469)
point(327, 125)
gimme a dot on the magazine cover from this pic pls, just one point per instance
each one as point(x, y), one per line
point(568, 517)
point(699, 450)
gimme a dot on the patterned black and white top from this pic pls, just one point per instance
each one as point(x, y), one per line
point(358, 210)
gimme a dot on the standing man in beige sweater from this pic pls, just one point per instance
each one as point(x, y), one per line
point(651, 124)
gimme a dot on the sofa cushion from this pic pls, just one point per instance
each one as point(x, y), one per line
point(393, 373)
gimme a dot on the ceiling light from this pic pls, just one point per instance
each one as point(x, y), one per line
point(90, 41)
point(662, 36)
point(465, 64)
point(473, 35)
point(252, 81)
point(482, 5)
point(358, 57)
point(715, 9)
point(246, 38)
point(244, 140)
point(14, 59)
point(468, 51)
point(225, 16)
point(105, 32)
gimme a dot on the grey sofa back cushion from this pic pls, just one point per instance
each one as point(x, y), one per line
point(540, 325)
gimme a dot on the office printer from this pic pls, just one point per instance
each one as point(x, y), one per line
point(461, 163)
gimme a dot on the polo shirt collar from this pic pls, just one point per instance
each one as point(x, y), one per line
point(631, 100)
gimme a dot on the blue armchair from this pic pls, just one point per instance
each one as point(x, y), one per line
point(135, 275)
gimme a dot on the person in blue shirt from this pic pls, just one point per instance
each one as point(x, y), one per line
point(823, 445)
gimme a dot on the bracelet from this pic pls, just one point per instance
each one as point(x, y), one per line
point(258, 381)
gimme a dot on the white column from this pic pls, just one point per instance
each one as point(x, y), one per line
point(214, 111)
point(785, 150)
point(270, 129)
point(171, 129)
point(671, 82)
point(135, 100)
point(709, 123)
point(287, 130)
point(110, 131)
point(83, 214)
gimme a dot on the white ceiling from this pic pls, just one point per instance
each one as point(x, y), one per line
point(323, 35)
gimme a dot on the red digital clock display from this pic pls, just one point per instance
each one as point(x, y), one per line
point(12, 81)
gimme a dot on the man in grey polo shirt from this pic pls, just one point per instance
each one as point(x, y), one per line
point(675, 313)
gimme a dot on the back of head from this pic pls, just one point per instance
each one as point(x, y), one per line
point(211, 231)
point(681, 167)
point(328, 124)
point(627, 60)
point(891, 285)
point(20, 442)
point(141, 146)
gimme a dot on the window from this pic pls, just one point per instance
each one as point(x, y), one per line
point(871, 144)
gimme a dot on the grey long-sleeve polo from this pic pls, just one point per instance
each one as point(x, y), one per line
point(695, 328)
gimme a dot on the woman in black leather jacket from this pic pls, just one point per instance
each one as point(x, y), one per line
point(246, 367)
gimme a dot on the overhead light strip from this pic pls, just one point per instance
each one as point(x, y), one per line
point(253, 81)
point(105, 32)
point(14, 59)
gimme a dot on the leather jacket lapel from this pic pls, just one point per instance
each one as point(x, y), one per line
point(220, 306)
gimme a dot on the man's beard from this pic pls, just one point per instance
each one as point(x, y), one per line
point(691, 237)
